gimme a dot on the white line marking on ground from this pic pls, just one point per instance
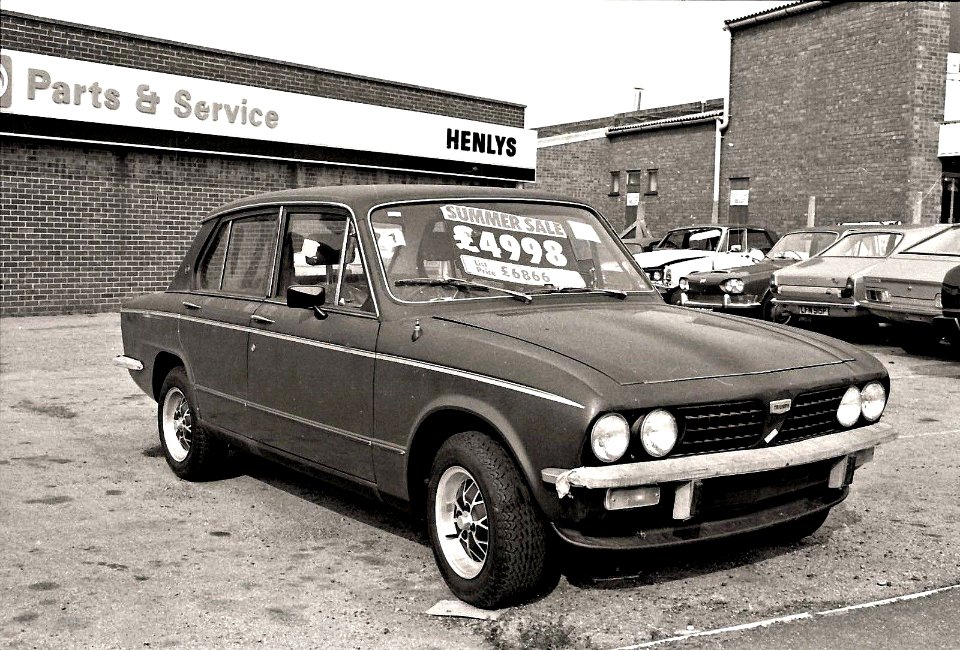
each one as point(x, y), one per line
point(929, 433)
point(786, 619)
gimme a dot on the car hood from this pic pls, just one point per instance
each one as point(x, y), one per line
point(826, 271)
point(659, 343)
point(762, 270)
point(669, 256)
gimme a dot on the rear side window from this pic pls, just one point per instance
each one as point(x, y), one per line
point(240, 257)
point(759, 239)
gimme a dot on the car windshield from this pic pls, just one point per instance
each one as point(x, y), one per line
point(946, 243)
point(801, 245)
point(701, 239)
point(456, 250)
point(865, 244)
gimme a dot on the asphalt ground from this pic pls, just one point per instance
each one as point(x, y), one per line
point(104, 547)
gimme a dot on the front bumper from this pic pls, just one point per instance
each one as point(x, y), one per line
point(794, 479)
point(723, 301)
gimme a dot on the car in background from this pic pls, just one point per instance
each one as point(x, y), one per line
point(493, 361)
point(683, 251)
point(746, 290)
point(949, 323)
point(906, 288)
point(830, 285)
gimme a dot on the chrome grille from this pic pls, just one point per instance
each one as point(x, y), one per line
point(719, 427)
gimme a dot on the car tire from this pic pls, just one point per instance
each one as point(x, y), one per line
point(488, 536)
point(191, 452)
point(776, 313)
point(918, 339)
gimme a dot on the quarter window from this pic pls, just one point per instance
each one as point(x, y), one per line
point(249, 259)
point(210, 271)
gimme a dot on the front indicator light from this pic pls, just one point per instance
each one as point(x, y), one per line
point(873, 399)
point(658, 433)
point(622, 499)
point(610, 437)
point(850, 407)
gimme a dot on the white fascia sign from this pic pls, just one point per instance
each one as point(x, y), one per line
point(43, 86)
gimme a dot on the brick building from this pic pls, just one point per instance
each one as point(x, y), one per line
point(113, 146)
point(836, 113)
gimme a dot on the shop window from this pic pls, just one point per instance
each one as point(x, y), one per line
point(614, 183)
point(652, 181)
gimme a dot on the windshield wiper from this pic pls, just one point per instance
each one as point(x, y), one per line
point(616, 293)
point(461, 284)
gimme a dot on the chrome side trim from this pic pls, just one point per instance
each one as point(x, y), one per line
point(127, 362)
point(485, 379)
point(379, 356)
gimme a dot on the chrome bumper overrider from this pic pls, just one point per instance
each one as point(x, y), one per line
point(127, 362)
point(687, 469)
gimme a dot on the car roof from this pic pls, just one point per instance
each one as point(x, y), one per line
point(363, 197)
point(719, 225)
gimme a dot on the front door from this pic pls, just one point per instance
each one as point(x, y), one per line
point(310, 375)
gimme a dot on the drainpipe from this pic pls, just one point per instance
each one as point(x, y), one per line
point(722, 122)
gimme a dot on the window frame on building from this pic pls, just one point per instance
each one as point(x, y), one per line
point(614, 189)
point(653, 181)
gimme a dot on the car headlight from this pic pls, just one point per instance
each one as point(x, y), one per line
point(873, 399)
point(658, 433)
point(685, 284)
point(610, 437)
point(850, 407)
point(657, 275)
point(733, 285)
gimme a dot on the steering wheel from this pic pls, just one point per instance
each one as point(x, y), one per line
point(668, 244)
point(792, 255)
point(427, 293)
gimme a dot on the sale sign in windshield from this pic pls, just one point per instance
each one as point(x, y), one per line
point(513, 248)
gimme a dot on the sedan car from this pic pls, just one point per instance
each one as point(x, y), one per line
point(746, 290)
point(830, 285)
point(906, 287)
point(702, 248)
point(494, 361)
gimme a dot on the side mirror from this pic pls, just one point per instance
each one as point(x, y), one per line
point(307, 297)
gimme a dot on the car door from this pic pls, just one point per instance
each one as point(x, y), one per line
point(311, 374)
point(230, 282)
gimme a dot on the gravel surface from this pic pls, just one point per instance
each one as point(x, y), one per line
point(104, 547)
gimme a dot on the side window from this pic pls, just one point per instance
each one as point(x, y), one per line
point(210, 270)
point(249, 259)
point(735, 242)
point(315, 246)
point(759, 239)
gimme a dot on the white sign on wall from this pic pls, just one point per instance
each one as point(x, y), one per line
point(739, 197)
point(66, 89)
point(951, 97)
point(633, 198)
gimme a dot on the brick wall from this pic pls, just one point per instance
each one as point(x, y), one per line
point(83, 228)
point(842, 103)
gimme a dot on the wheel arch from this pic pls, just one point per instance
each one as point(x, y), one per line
point(162, 365)
point(439, 426)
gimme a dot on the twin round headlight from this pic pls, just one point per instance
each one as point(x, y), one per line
point(868, 402)
point(610, 435)
point(733, 285)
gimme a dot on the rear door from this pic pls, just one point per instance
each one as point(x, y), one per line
point(231, 281)
point(310, 377)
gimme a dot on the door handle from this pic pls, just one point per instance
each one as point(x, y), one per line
point(261, 319)
point(191, 305)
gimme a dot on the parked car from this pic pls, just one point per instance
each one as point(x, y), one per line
point(906, 287)
point(830, 285)
point(949, 322)
point(746, 290)
point(702, 248)
point(494, 360)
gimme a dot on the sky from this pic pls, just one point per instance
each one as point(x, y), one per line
point(565, 60)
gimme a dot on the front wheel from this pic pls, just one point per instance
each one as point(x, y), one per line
point(488, 536)
point(191, 452)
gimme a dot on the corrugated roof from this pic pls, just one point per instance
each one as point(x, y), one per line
point(769, 15)
point(670, 121)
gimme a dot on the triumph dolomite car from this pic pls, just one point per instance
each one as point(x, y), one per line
point(495, 361)
point(746, 290)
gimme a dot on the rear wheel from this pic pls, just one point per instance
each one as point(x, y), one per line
point(191, 452)
point(489, 538)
